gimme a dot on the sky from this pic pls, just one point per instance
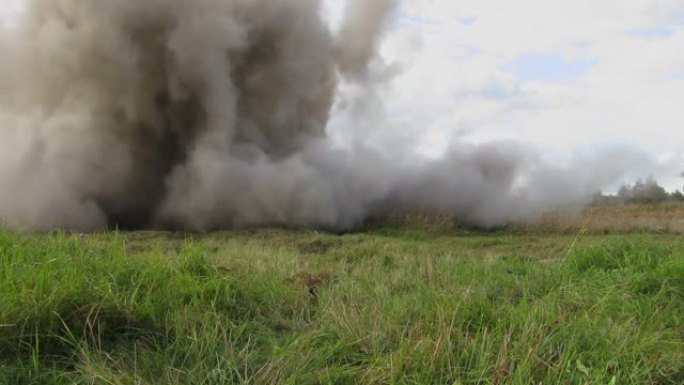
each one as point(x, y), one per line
point(566, 77)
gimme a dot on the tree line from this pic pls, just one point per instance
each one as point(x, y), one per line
point(642, 191)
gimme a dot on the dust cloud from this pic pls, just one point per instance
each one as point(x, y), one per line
point(212, 114)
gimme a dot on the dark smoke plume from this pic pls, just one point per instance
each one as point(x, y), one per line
point(211, 114)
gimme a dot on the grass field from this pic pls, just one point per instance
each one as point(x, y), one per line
point(390, 305)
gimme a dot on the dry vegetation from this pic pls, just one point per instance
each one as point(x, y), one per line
point(655, 218)
point(611, 219)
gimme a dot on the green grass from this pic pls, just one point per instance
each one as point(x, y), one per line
point(387, 306)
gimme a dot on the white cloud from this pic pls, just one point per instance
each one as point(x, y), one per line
point(458, 79)
point(9, 9)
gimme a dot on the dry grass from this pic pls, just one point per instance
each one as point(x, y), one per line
point(665, 218)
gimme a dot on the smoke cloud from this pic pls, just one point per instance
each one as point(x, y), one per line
point(212, 114)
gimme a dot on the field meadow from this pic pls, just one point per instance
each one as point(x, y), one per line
point(411, 302)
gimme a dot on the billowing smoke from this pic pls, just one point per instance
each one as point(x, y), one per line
point(211, 114)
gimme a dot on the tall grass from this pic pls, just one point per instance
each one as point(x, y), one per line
point(281, 307)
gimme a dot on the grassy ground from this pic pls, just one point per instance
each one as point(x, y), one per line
point(396, 305)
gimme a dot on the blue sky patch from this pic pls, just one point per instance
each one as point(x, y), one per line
point(468, 21)
point(550, 68)
point(653, 32)
point(675, 76)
